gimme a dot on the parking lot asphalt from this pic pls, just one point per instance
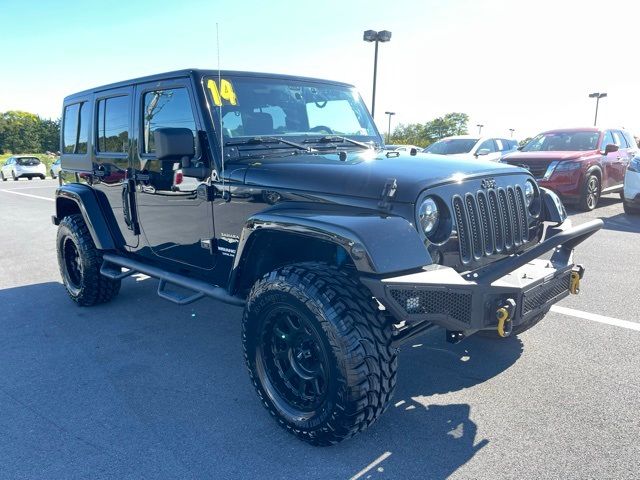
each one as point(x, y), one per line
point(141, 388)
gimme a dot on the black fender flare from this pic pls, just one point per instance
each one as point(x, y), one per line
point(95, 210)
point(376, 244)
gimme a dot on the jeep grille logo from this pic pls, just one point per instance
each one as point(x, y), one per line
point(488, 183)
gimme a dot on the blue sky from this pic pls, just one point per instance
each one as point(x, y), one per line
point(508, 64)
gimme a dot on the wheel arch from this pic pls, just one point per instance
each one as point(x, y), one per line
point(80, 199)
point(368, 244)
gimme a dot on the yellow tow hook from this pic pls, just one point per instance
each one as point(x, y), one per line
point(504, 313)
point(576, 274)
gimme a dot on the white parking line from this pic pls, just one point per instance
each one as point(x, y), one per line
point(377, 461)
point(596, 318)
point(26, 188)
point(28, 195)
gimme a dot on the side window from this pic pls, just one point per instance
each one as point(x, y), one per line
point(488, 145)
point(630, 140)
point(500, 145)
point(619, 139)
point(70, 128)
point(76, 128)
point(113, 125)
point(166, 108)
point(608, 138)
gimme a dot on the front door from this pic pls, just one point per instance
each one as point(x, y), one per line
point(176, 224)
point(609, 162)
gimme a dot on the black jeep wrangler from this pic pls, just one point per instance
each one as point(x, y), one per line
point(274, 193)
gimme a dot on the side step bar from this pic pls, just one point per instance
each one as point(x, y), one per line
point(112, 268)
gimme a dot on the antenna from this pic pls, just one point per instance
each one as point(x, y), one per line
point(220, 110)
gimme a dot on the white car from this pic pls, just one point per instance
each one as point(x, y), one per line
point(631, 192)
point(471, 147)
point(55, 169)
point(20, 166)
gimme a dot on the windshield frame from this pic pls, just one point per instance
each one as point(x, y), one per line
point(306, 137)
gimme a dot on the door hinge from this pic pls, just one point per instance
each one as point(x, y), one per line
point(206, 192)
point(210, 244)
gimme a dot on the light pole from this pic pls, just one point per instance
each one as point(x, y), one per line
point(480, 125)
point(511, 130)
point(597, 96)
point(389, 130)
point(373, 36)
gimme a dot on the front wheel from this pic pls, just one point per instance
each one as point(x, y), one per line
point(80, 261)
point(53, 175)
point(629, 210)
point(318, 352)
point(3, 177)
point(13, 175)
point(590, 193)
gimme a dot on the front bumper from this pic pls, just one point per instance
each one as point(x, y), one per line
point(468, 302)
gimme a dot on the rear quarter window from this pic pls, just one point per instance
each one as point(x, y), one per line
point(75, 128)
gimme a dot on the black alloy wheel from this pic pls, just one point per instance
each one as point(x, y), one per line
point(293, 362)
point(80, 261)
point(318, 351)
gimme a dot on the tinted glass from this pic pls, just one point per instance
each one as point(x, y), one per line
point(451, 146)
point(619, 140)
point(563, 142)
point(283, 107)
point(28, 161)
point(113, 124)
point(630, 140)
point(487, 145)
point(83, 135)
point(166, 108)
point(608, 139)
point(70, 128)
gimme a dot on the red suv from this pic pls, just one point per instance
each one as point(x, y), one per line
point(578, 164)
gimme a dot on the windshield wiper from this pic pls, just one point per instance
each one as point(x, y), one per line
point(263, 140)
point(336, 139)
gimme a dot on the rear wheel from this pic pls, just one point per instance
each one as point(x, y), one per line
point(318, 352)
point(80, 261)
point(590, 193)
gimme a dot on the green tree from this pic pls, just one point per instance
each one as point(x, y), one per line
point(49, 135)
point(424, 134)
point(23, 132)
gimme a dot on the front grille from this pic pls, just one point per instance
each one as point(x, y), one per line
point(537, 168)
point(434, 302)
point(547, 292)
point(489, 222)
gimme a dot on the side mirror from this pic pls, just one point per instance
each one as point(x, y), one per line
point(173, 143)
point(520, 147)
point(610, 148)
point(483, 151)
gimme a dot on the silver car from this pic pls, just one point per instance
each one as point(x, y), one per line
point(20, 166)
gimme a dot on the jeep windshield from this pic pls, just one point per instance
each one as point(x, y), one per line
point(563, 142)
point(261, 112)
point(452, 146)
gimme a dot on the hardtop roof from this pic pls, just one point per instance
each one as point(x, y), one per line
point(197, 73)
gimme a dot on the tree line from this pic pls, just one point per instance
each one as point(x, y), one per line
point(23, 132)
point(424, 134)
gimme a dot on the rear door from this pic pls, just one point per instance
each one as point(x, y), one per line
point(609, 161)
point(176, 224)
point(621, 159)
point(112, 148)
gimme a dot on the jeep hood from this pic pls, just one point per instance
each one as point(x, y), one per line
point(364, 174)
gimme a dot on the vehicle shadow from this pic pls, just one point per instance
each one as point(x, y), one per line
point(622, 223)
point(140, 386)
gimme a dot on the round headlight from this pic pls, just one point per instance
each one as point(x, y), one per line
point(529, 192)
point(428, 216)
